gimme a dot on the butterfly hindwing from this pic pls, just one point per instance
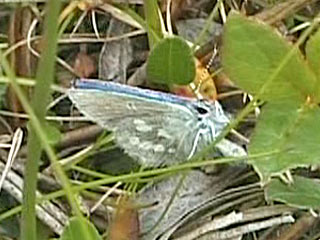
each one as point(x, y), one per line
point(155, 141)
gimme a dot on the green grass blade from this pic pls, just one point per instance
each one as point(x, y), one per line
point(41, 95)
point(28, 224)
point(151, 11)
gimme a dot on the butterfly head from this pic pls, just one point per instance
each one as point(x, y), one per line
point(212, 110)
point(210, 116)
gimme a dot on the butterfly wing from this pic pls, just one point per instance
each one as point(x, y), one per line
point(152, 132)
point(167, 140)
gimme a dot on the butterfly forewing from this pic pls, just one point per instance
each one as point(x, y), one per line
point(107, 108)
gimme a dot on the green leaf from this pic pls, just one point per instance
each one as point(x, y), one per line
point(290, 131)
point(313, 53)
point(171, 62)
point(253, 56)
point(53, 133)
point(71, 231)
point(303, 193)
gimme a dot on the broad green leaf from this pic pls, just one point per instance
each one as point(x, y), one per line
point(171, 62)
point(253, 57)
point(71, 231)
point(302, 193)
point(313, 53)
point(291, 132)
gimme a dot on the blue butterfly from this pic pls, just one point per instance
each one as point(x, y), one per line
point(152, 127)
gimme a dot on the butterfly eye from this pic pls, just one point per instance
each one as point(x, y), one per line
point(201, 110)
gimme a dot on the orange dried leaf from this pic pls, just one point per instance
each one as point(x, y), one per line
point(84, 65)
point(125, 225)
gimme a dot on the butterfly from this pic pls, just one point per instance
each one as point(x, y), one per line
point(154, 128)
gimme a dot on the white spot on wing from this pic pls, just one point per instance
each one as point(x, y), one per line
point(144, 128)
point(171, 150)
point(134, 140)
point(139, 122)
point(147, 145)
point(158, 148)
point(163, 133)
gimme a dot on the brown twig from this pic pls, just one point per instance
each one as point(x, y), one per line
point(282, 10)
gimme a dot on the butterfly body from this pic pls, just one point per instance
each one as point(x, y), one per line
point(154, 128)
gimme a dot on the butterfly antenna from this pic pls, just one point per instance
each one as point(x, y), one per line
point(74, 81)
point(214, 54)
point(196, 89)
